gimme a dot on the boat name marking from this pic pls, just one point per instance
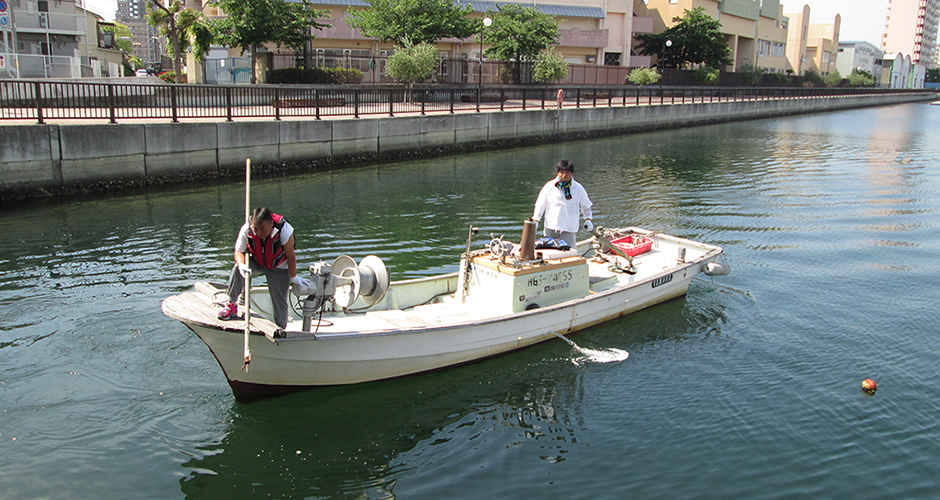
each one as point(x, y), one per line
point(557, 277)
point(662, 280)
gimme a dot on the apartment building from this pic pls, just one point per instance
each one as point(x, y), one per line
point(146, 39)
point(41, 38)
point(911, 28)
point(755, 30)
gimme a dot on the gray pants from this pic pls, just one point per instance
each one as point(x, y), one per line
point(568, 236)
point(278, 286)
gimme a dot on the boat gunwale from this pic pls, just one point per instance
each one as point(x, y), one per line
point(301, 336)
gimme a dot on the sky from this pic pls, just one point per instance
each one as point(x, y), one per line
point(862, 20)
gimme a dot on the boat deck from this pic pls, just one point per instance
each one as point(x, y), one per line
point(604, 273)
point(200, 307)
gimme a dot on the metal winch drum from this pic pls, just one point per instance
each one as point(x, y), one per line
point(342, 282)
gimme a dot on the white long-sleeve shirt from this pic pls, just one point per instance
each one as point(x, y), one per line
point(561, 214)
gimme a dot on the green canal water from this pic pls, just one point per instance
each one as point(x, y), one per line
point(746, 388)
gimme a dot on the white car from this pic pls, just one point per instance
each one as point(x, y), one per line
point(142, 72)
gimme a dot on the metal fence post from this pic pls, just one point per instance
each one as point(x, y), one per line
point(577, 97)
point(424, 99)
point(356, 101)
point(452, 94)
point(174, 104)
point(479, 93)
point(391, 101)
point(523, 99)
point(111, 114)
point(316, 101)
point(228, 104)
point(277, 104)
point(37, 94)
point(502, 98)
point(594, 103)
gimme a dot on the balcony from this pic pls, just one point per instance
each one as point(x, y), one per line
point(339, 30)
point(640, 61)
point(577, 37)
point(48, 22)
point(642, 24)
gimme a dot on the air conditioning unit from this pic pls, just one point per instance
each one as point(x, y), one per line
point(589, 59)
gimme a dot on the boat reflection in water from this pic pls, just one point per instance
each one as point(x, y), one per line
point(382, 439)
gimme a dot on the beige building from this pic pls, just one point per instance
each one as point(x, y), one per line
point(593, 32)
point(911, 28)
point(797, 38)
point(822, 45)
point(812, 46)
point(755, 30)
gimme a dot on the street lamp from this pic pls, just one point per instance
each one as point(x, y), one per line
point(668, 44)
point(486, 24)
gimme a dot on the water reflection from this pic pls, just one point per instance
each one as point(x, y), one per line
point(361, 441)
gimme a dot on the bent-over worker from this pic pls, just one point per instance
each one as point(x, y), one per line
point(269, 239)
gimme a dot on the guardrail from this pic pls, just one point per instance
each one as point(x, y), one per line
point(48, 100)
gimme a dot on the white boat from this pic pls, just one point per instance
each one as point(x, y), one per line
point(355, 326)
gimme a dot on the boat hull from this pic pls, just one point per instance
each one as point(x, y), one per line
point(289, 365)
point(486, 309)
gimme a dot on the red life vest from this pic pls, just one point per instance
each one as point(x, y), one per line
point(268, 253)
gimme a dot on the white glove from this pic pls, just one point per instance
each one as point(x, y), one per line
point(244, 269)
point(297, 280)
point(588, 225)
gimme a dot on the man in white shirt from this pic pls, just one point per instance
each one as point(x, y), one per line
point(269, 241)
point(562, 200)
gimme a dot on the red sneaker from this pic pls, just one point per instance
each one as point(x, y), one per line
point(230, 311)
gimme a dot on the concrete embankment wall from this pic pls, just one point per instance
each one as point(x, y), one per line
point(38, 160)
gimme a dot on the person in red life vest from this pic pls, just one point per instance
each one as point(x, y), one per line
point(269, 241)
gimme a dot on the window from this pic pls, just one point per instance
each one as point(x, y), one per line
point(611, 58)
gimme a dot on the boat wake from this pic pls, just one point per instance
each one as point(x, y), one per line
point(611, 355)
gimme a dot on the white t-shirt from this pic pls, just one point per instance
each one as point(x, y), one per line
point(562, 214)
point(241, 243)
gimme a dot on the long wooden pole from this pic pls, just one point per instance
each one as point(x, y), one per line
point(248, 264)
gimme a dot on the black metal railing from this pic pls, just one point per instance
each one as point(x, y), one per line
point(43, 100)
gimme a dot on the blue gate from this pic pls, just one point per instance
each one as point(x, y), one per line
point(228, 70)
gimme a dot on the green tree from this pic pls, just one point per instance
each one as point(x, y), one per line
point(643, 76)
point(417, 21)
point(705, 75)
point(179, 24)
point(410, 63)
point(249, 24)
point(833, 79)
point(749, 75)
point(549, 66)
point(695, 39)
point(813, 78)
point(861, 78)
point(520, 34)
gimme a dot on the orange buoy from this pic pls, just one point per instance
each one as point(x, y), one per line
point(869, 385)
